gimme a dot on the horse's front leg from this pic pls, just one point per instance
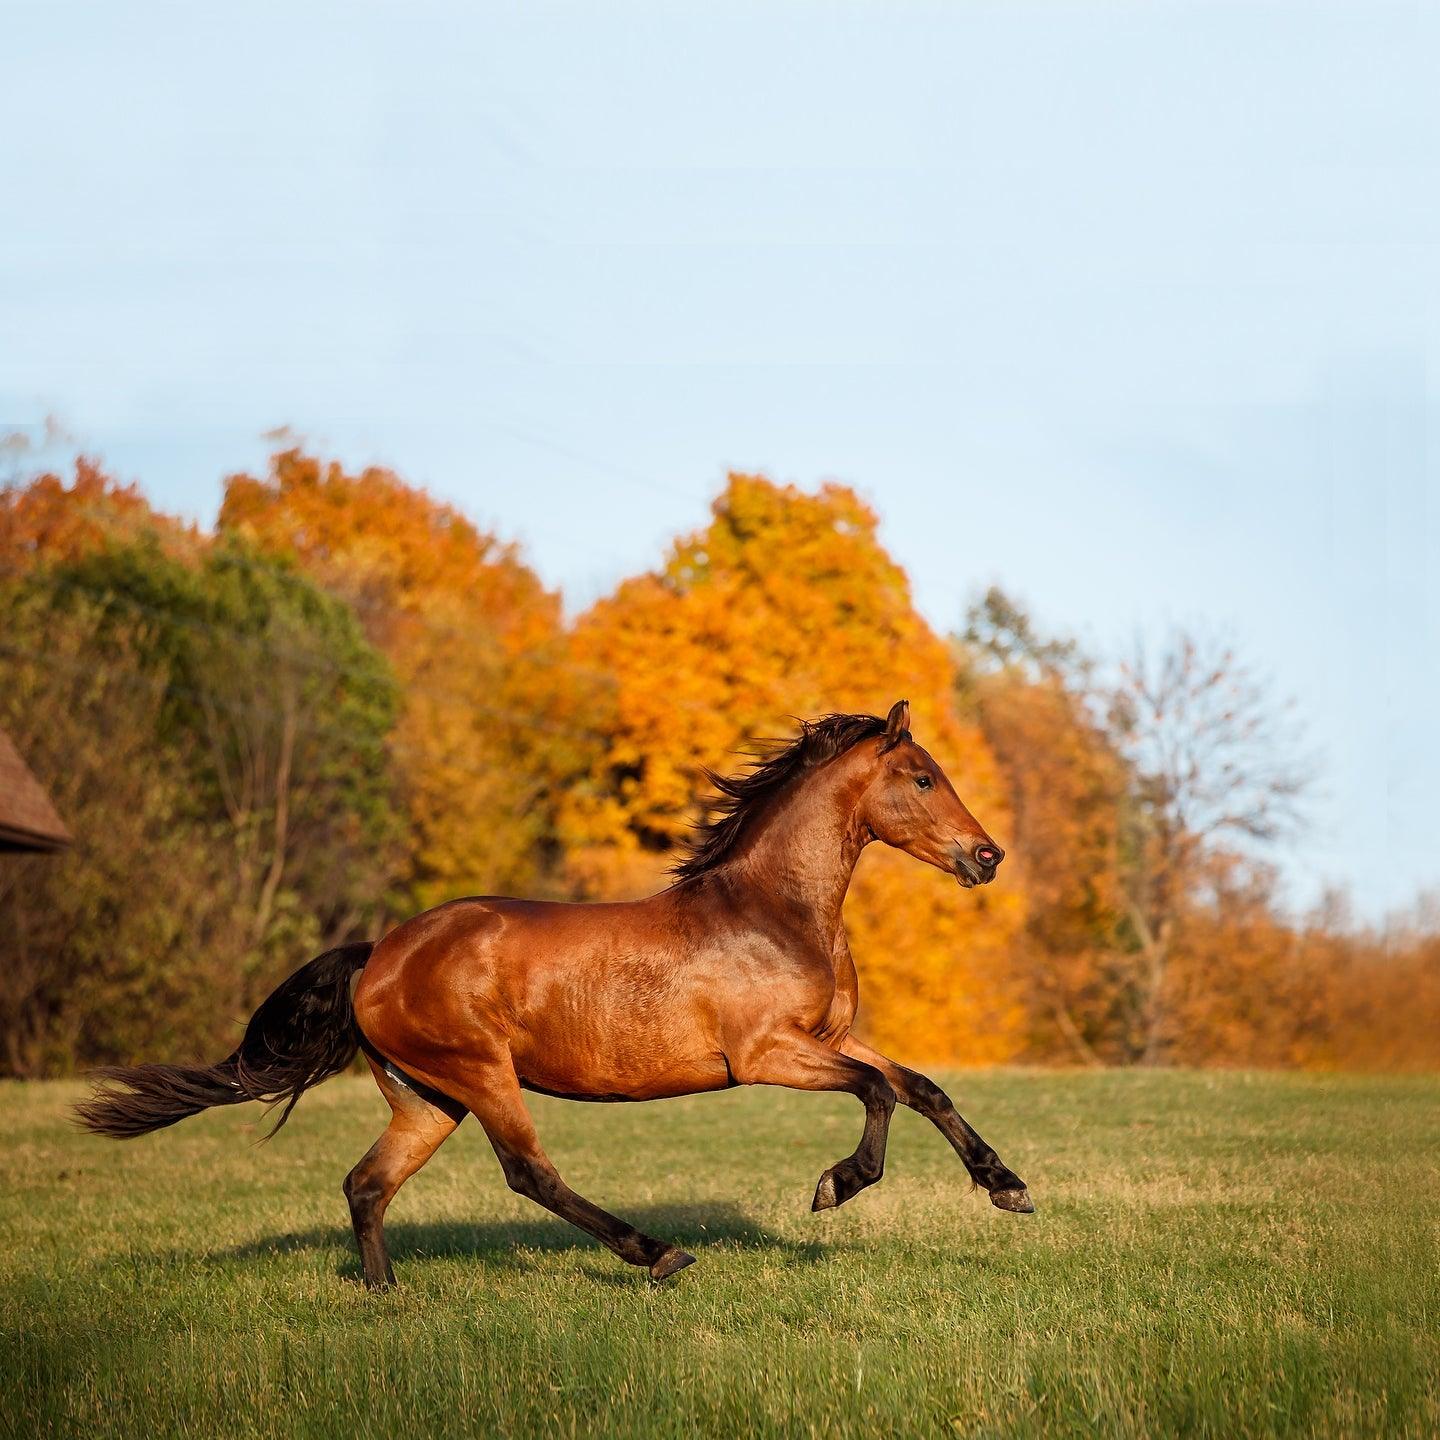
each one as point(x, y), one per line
point(799, 1061)
point(1007, 1189)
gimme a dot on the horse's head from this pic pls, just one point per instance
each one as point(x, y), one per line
point(912, 805)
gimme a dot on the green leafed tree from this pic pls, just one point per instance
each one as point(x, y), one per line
point(283, 709)
point(128, 943)
point(261, 740)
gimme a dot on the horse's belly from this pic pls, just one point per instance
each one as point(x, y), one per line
point(610, 1081)
point(611, 1063)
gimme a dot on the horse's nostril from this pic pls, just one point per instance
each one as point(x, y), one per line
point(989, 854)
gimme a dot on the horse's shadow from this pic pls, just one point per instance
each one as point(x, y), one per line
point(511, 1244)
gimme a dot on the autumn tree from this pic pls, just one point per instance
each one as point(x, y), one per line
point(1216, 763)
point(1247, 985)
point(497, 719)
point(1385, 1002)
point(45, 520)
point(1032, 697)
point(784, 605)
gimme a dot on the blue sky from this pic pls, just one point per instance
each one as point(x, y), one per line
point(1131, 308)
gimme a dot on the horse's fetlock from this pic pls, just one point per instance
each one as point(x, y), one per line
point(638, 1249)
point(1001, 1177)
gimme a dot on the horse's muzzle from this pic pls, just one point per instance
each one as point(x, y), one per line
point(977, 867)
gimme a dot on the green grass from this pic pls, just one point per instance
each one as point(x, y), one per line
point(1214, 1254)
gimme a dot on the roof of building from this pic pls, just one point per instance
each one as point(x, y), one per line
point(27, 818)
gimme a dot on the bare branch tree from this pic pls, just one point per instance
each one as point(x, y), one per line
point(1215, 758)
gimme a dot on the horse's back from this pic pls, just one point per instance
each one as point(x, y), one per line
point(469, 952)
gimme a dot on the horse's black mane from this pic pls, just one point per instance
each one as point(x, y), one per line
point(741, 795)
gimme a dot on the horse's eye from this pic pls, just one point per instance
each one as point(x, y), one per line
point(923, 782)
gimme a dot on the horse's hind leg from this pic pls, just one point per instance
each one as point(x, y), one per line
point(495, 1099)
point(418, 1125)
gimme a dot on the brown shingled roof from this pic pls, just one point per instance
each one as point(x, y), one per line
point(27, 818)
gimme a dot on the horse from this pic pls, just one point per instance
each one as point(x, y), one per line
point(738, 974)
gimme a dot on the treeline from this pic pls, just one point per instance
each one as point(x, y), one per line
point(348, 703)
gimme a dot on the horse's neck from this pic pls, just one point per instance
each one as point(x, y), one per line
point(806, 849)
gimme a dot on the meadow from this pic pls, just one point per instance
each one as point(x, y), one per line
point(1224, 1254)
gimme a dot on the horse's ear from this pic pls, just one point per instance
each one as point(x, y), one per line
point(897, 723)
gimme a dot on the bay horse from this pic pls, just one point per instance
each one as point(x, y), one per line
point(738, 974)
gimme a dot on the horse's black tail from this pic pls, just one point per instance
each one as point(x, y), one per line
point(302, 1034)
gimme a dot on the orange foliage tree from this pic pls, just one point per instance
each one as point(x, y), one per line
point(1068, 787)
point(47, 520)
point(1247, 987)
point(496, 717)
point(786, 605)
point(1243, 987)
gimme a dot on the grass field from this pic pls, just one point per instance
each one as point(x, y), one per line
point(1214, 1254)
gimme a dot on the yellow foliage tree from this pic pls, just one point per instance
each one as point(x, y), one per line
point(497, 718)
point(787, 605)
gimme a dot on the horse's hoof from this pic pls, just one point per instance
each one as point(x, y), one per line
point(826, 1197)
point(672, 1261)
point(1017, 1201)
